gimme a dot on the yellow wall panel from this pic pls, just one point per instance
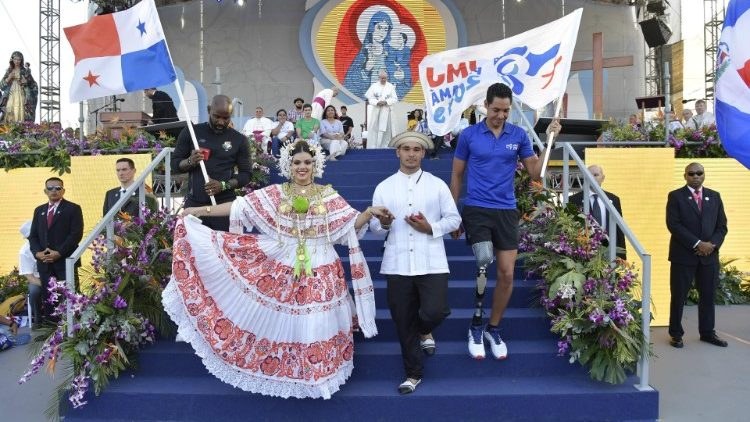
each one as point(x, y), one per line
point(91, 177)
point(642, 178)
point(22, 190)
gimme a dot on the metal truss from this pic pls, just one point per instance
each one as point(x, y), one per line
point(49, 60)
point(713, 16)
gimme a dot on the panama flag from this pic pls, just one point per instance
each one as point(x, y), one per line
point(733, 82)
point(119, 52)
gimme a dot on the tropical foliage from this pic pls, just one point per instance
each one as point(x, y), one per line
point(733, 287)
point(262, 163)
point(12, 284)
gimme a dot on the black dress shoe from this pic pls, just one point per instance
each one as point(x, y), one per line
point(715, 340)
point(676, 342)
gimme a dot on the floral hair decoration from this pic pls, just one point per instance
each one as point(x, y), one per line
point(285, 161)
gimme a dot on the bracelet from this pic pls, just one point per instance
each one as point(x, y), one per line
point(189, 161)
point(386, 226)
point(208, 210)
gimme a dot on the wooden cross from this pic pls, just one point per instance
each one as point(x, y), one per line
point(597, 64)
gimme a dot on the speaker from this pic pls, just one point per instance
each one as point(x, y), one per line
point(656, 7)
point(655, 32)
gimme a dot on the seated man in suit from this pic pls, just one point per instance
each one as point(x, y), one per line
point(125, 168)
point(698, 225)
point(56, 229)
point(598, 210)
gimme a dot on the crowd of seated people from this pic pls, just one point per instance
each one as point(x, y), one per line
point(333, 132)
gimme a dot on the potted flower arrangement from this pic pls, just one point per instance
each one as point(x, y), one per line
point(120, 312)
point(687, 143)
point(48, 145)
point(591, 303)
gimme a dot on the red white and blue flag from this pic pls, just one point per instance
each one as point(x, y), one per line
point(733, 82)
point(534, 64)
point(119, 52)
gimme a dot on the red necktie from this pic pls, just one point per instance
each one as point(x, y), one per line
point(50, 215)
point(698, 201)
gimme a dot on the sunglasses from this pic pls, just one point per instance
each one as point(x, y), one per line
point(57, 188)
point(695, 173)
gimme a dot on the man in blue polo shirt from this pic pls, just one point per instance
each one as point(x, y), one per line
point(488, 153)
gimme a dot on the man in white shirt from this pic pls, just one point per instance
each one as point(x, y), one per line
point(282, 133)
point(381, 96)
point(421, 211)
point(259, 129)
point(702, 117)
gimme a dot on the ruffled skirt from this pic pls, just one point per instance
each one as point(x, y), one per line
point(256, 327)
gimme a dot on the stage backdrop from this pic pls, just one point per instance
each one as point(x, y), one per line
point(270, 54)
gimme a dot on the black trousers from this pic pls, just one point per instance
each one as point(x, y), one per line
point(418, 305)
point(680, 281)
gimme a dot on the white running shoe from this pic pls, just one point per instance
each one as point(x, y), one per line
point(476, 342)
point(497, 345)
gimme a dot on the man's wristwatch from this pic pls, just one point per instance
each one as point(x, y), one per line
point(208, 210)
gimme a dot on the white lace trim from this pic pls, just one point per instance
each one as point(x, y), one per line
point(251, 382)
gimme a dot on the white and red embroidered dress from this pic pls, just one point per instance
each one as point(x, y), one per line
point(256, 326)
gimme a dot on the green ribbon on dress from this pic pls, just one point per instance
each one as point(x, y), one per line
point(302, 261)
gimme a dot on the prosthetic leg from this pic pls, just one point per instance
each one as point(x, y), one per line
point(483, 252)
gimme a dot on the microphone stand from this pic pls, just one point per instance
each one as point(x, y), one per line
point(96, 112)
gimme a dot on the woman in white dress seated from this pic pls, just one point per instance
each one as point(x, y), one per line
point(271, 313)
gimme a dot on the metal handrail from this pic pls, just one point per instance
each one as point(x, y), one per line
point(108, 221)
point(615, 221)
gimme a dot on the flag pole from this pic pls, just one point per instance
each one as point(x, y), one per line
point(551, 137)
point(183, 105)
point(185, 113)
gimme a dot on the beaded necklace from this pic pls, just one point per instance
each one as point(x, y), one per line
point(302, 208)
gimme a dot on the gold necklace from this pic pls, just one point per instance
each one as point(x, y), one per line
point(302, 188)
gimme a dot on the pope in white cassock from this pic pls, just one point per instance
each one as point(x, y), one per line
point(381, 96)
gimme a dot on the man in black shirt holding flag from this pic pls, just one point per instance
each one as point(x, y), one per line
point(226, 155)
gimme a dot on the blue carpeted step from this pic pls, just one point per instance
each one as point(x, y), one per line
point(544, 398)
point(380, 164)
point(358, 192)
point(372, 177)
point(461, 294)
point(376, 359)
point(517, 324)
point(461, 267)
point(372, 245)
point(533, 384)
